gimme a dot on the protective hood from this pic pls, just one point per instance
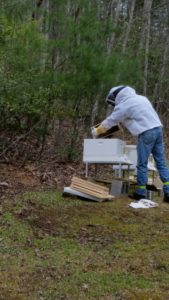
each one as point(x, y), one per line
point(110, 99)
point(125, 94)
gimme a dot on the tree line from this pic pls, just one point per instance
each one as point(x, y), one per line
point(59, 58)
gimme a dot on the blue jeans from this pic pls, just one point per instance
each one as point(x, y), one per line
point(151, 141)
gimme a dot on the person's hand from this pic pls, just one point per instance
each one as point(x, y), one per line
point(96, 131)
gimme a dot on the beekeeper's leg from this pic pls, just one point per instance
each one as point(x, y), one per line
point(144, 147)
point(158, 152)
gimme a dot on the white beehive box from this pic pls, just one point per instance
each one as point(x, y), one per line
point(103, 150)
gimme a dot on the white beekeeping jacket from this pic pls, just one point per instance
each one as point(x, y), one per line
point(135, 112)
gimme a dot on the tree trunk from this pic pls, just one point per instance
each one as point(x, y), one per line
point(129, 25)
point(116, 18)
point(146, 33)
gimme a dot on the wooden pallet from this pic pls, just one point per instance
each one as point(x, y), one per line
point(90, 188)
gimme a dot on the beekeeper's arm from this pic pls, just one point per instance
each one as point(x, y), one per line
point(117, 116)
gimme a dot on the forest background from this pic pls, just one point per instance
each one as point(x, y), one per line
point(58, 60)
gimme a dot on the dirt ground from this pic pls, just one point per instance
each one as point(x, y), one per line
point(50, 175)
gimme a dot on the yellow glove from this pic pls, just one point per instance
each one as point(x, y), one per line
point(96, 131)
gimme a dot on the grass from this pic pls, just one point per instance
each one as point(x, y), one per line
point(64, 248)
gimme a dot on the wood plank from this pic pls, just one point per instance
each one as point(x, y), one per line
point(91, 188)
point(90, 192)
point(88, 189)
point(88, 181)
point(90, 184)
point(85, 190)
point(75, 179)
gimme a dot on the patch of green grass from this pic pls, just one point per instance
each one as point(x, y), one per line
point(63, 248)
point(13, 231)
point(48, 199)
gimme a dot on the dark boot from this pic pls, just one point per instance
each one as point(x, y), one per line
point(136, 196)
point(166, 198)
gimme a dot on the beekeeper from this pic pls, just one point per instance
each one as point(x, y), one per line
point(136, 113)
